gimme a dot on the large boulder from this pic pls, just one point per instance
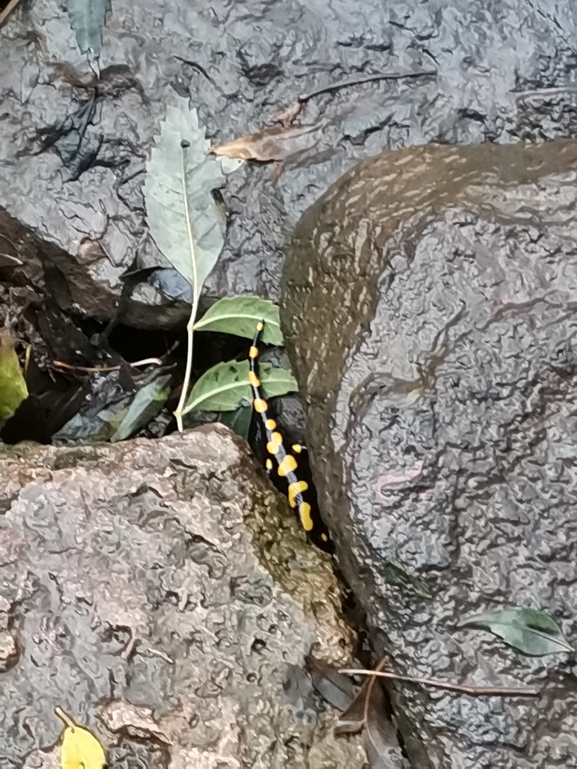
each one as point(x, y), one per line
point(162, 593)
point(73, 147)
point(429, 308)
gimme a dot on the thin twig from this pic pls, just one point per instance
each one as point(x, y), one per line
point(105, 369)
point(473, 691)
point(545, 91)
point(368, 79)
point(8, 10)
point(146, 362)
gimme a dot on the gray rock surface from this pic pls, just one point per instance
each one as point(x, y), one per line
point(161, 593)
point(505, 71)
point(429, 311)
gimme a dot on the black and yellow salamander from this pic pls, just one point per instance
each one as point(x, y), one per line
point(300, 493)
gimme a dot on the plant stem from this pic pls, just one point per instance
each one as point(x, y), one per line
point(190, 325)
point(64, 717)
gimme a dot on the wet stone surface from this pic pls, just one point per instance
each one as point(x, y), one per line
point(436, 349)
point(504, 72)
point(137, 599)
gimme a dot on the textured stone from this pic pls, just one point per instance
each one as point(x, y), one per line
point(504, 72)
point(429, 311)
point(163, 595)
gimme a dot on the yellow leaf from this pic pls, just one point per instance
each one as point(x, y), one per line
point(12, 384)
point(80, 748)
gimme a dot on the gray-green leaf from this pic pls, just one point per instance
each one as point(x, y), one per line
point(225, 386)
point(239, 315)
point(186, 223)
point(145, 406)
point(238, 421)
point(528, 630)
point(87, 19)
point(396, 574)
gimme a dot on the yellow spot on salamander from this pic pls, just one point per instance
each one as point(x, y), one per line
point(305, 516)
point(274, 444)
point(288, 465)
point(260, 405)
point(270, 424)
point(253, 379)
point(259, 325)
point(297, 448)
point(253, 352)
point(296, 488)
point(268, 464)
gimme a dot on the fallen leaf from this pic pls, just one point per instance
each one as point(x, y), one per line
point(80, 748)
point(13, 388)
point(352, 720)
point(186, 222)
point(239, 421)
point(528, 630)
point(146, 404)
point(368, 711)
point(87, 19)
point(276, 143)
point(334, 687)
point(396, 574)
point(290, 114)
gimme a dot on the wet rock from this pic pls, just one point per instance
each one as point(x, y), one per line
point(148, 609)
point(73, 150)
point(429, 311)
point(8, 647)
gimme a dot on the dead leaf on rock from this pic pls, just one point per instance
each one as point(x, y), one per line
point(276, 143)
point(368, 710)
point(80, 748)
point(136, 721)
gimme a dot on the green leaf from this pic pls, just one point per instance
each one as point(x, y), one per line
point(13, 388)
point(396, 574)
point(239, 315)
point(238, 421)
point(224, 386)
point(185, 221)
point(87, 18)
point(144, 407)
point(528, 630)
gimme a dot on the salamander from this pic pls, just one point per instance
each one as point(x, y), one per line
point(283, 460)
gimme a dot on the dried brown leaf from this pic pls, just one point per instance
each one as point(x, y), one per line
point(369, 711)
point(354, 717)
point(334, 687)
point(288, 116)
point(276, 143)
